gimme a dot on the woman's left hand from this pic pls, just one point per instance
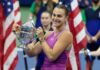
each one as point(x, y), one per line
point(40, 33)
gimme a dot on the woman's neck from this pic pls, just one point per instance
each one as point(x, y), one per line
point(46, 28)
point(59, 29)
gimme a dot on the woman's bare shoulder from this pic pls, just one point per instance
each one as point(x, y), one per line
point(66, 35)
point(67, 32)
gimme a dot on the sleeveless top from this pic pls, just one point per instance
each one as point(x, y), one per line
point(60, 62)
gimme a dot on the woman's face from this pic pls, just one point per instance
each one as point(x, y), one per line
point(45, 19)
point(58, 17)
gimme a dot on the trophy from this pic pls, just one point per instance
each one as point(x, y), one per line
point(26, 34)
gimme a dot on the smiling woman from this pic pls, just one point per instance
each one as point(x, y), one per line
point(54, 43)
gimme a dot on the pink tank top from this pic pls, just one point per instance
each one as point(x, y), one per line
point(60, 62)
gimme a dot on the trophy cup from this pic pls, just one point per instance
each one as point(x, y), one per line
point(26, 34)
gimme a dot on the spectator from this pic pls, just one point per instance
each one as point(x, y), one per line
point(93, 27)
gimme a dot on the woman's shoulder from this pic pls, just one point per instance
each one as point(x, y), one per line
point(66, 34)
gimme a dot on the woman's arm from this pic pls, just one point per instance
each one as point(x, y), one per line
point(64, 40)
point(96, 53)
point(97, 36)
point(93, 38)
point(34, 49)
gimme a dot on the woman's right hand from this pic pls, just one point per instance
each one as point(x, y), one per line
point(16, 28)
point(31, 45)
point(33, 49)
point(29, 49)
point(40, 34)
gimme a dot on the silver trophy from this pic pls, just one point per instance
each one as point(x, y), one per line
point(26, 34)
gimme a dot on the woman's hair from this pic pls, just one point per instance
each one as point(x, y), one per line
point(63, 7)
point(46, 11)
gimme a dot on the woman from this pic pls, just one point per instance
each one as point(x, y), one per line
point(92, 20)
point(54, 43)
